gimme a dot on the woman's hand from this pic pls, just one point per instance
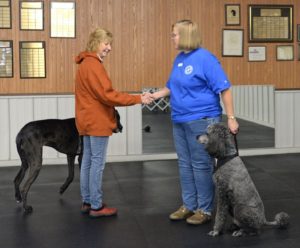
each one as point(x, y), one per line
point(147, 98)
point(233, 125)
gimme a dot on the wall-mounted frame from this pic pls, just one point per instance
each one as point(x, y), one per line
point(31, 15)
point(257, 53)
point(62, 19)
point(285, 52)
point(5, 14)
point(232, 42)
point(232, 14)
point(298, 32)
point(270, 23)
point(298, 51)
point(6, 59)
point(32, 59)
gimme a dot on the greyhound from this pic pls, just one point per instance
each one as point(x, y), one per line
point(62, 135)
point(235, 191)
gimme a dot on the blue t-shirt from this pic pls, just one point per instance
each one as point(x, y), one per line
point(196, 80)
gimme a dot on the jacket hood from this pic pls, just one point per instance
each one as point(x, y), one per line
point(81, 56)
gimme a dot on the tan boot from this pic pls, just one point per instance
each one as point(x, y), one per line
point(198, 218)
point(181, 214)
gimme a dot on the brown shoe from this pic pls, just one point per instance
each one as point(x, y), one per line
point(85, 208)
point(198, 218)
point(181, 214)
point(104, 211)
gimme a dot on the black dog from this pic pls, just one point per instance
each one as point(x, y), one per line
point(61, 135)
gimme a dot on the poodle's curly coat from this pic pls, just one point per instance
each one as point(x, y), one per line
point(235, 191)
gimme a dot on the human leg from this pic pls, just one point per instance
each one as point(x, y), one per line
point(98, 157)
point(202, 164)
point(188, 188)
point(85, 171)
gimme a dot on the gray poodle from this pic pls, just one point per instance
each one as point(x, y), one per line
point(235, 191)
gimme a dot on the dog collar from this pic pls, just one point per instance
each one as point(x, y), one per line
point(222, 161)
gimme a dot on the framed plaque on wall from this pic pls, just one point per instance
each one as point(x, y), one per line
point(270, 23)
point(32, 59)
point(257, 53)
point(285, 52)
point(232, 42)
point(232, 14)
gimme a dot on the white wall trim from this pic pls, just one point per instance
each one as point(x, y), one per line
point(15, 111)
point(162, 156)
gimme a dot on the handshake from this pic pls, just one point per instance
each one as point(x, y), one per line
point(147, 98)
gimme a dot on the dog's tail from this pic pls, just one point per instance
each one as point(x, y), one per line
point(281, 220)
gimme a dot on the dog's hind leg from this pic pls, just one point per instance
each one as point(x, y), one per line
point(18, 179)
point(34, 169)
point(71, 164)
point(24, 166)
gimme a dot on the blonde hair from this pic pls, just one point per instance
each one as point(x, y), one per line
point(98, 36)
point(189, 35)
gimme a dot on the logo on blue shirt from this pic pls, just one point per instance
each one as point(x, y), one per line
point(188, 70)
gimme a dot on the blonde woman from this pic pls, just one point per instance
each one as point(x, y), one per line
point(195, 85)
point(95, 100)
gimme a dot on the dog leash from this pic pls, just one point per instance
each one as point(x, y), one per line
point(236, 144)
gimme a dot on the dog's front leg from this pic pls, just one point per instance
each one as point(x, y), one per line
point(221, 214)
point(71, 164)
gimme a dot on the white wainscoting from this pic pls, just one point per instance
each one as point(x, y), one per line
point(255, 103)
point(287, 121)
point(16, 111)
point(260, 104)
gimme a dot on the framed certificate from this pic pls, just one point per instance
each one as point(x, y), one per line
point(232, 14)
point(285, 52)
point(270, 23)
point(232, 42)
point(256, 53)
point(62, 19)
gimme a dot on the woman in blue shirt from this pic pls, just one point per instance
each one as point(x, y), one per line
point(195, 85)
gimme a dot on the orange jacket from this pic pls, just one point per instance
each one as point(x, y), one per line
point(95, 98)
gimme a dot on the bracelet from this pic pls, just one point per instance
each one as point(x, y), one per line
point(231, 117)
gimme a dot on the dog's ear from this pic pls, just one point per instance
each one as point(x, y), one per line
point(119, 127)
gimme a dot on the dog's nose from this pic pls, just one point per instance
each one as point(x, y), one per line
point(203, 139)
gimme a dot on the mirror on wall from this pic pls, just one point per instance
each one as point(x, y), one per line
point(253, 102)
point(158, 138)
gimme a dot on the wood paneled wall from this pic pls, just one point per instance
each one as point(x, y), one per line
point(142, 50)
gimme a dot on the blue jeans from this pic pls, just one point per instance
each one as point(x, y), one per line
point(92, 166)
point(195, 165)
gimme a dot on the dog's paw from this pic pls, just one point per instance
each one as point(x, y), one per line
point(238, 233)
point(28, 210)
point(18, 197)
point(214, 233)
point(62, 190)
